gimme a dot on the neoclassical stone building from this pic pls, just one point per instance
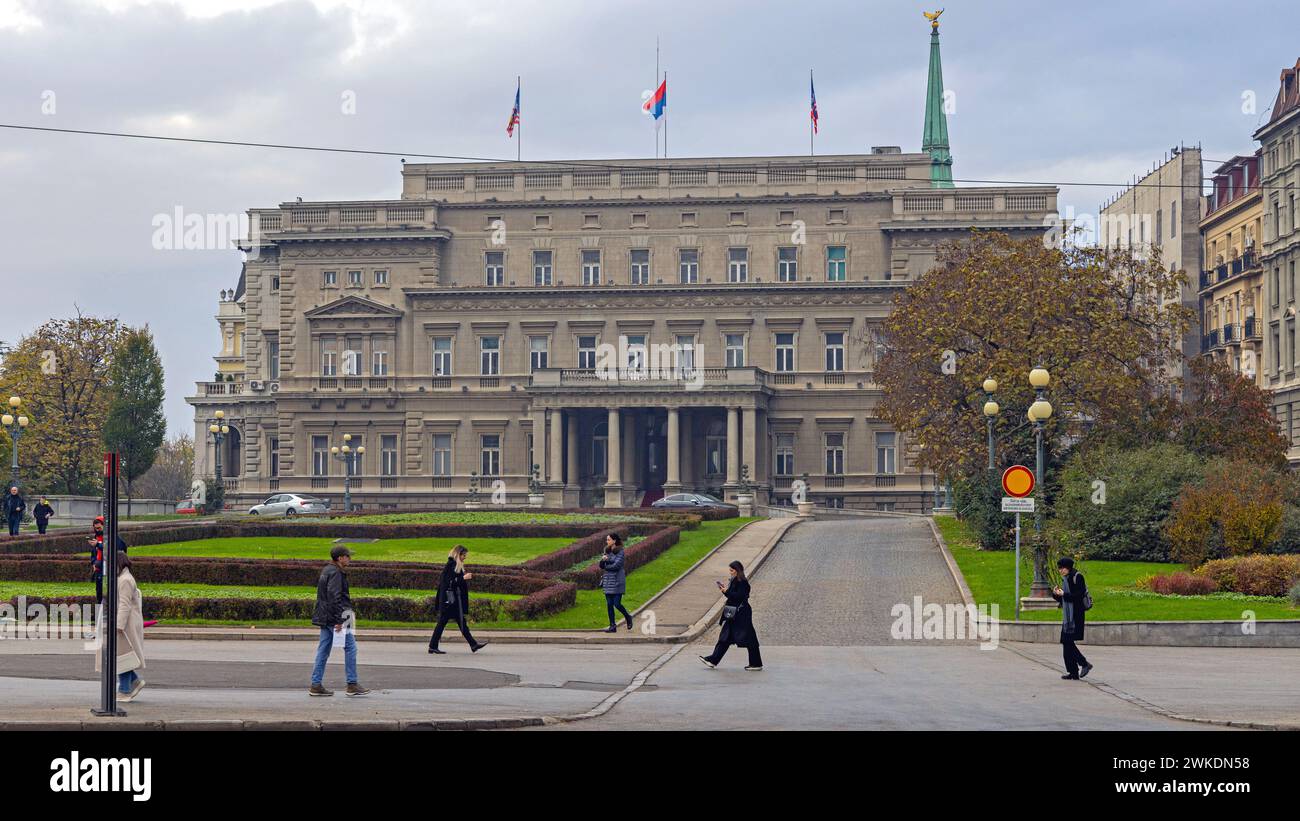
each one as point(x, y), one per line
point(633, 328)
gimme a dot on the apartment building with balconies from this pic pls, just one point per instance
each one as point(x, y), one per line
point(1232, 282)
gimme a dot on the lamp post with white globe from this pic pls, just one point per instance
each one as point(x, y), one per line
point(15, 423)
point(349, 457)
point(1039, 412)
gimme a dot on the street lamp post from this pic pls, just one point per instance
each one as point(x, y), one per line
point(218, 428)
point(1039, 412)
point(15, 425)
point(349, 458)
point(990, 413)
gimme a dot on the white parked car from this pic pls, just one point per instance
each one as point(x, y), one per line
point(289, 504)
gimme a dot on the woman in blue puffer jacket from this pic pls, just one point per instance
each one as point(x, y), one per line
point(614, 580)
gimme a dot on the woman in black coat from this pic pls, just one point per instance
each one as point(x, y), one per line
point(1071, 594)
point(453, 600)
point(737, 622)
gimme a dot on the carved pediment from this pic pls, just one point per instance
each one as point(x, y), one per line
point(349, 307)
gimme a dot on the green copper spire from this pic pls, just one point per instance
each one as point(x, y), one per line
point(935, 140)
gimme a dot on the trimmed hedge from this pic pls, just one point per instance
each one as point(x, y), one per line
point(1253, 575)
point(1181, 583)
point(374, 608)
point(643, 552)
point(555, 598)
point(584, 549)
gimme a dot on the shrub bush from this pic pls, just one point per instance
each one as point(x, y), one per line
point(1139, 492)
point(1181, 583)
point(1294, 595)
point(978, 501)
point(373, 608)
point(1288, 540)
point(643, 552)
point(554, 598)
point(588, 547)
point(1253, 575)
point(1235, 511)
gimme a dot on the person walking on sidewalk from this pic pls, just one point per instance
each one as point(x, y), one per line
point(453, 600)
point(42, 513)
point(130, 632)
point(96, 542)
point(335, 617)
point(15, 507)
point(1074, 600)
point(614, 580)
point(737, 622)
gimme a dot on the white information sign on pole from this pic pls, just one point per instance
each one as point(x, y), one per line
point(1011, 504)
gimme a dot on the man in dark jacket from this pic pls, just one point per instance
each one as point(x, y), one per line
point(334, 615)
point(1072, 594)
point(96, 542)
point(15, 507)
point(42, 513)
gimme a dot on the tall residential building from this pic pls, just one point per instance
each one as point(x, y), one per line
point(1232, 282)
point(1279, 141)
point(1162, 210)
point(631, 327)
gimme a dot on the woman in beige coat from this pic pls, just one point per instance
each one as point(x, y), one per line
point(130, 632)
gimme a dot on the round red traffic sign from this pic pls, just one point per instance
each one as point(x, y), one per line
point(1018, 481)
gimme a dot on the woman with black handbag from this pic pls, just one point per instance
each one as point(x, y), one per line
point(737, 622)
point(453, 600)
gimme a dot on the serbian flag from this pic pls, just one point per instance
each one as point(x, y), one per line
point(813, 114)
point(657, 102)
point(514, 116)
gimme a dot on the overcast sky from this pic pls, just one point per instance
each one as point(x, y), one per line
point(1043, 92)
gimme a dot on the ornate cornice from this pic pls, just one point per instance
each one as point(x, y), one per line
point(657, 297)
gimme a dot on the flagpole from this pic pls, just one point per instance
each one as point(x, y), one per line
point(665, 114)
point(812, 124)
point(654, 88)
point(519, 144)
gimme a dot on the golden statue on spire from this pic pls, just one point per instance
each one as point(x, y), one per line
point(933, 17)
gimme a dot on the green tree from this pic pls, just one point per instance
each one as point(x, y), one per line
point(172, 471)
point(135, 426)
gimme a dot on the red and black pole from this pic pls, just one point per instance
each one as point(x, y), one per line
point(108, 629)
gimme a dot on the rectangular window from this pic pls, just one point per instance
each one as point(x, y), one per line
point(834, 454)
point(388, 455)
point(834, 352)
point(600, 455)
point(352, 357)
point(785, 353)
point(329, 278)
point(688, 266)
point(273, 357)
point(784, 454)
point(274, 448)
point(381, 278)
point(329, 363)
point(275, 282)
point(716, 455)
point(1173, 219)
point(494, 268)
point(320, 456)
point(542, 268)
point(354, 279)
point(686, 355)
point(636, 353)
point(836, 263)
point(885, 452)
point(379, 363)
point(442, 454)
point(537, 350)
point(442, 356)
point(737, 265)
point(591, 267)
point(490, 356)
point(640, 266)
point(490, 454)
point(787, 264)
point(735, 345)
point(587, 353)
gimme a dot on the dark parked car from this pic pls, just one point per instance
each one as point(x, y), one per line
point(687, 500)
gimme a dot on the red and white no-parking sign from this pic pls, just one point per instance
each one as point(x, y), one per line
point(1018, 481)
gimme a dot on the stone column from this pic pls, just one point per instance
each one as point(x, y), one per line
point(689, 473)
point(556, 447)
point(572, 488)
point(614, 463)
point(673, 482)
point(733, 451)
point(539, 443)
point(630, 454)
point(749, 444)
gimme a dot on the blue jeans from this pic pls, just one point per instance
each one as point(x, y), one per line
point(323, 655)
point(125, 681)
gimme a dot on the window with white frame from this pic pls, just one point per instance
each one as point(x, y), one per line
point(273, 447)
point(586, 353)
point(329, 279)
point(785, 352)
point(688, 266)
point(834, 352)
point(494, 268)
point(737, 265)
point(640, 266)
point(715, 454)
point(352, 360)
point(273, 356)
point(636, 353)
point(442, 454)
point(489, 356)
point(538, 347)
point(836, 263)
point(379, 363)
point(329, 362)
point(381, 277)
point(735, 348)
point(600, 450)
point(388, 455)
point(442, 356)
point(590, 267)
point(354, 279)
point(542, 274)
point(886, 452)
point(787, 264)
point(320, 456)
point(834, 454)
point(784, 453)
point(686, 355)
point(490, 454)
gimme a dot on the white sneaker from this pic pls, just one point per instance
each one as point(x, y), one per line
point(708, 663)
point(754, 669)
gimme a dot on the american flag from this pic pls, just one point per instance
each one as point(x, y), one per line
point(514, 116)
point(813, 114)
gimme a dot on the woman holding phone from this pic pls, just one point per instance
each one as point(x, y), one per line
point(737, 622)
point(453, 600)
point(613, 580)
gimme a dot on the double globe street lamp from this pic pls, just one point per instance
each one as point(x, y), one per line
point(218, 428)
point(15, 425)
point(1039, 412)
point(349, 456)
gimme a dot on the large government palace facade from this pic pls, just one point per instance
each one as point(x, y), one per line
point(631, 328)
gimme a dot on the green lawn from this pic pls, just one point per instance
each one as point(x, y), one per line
point(211, 591)
point(477, 517)
point(642, 583)
point(991, 577)
point(427, 551)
